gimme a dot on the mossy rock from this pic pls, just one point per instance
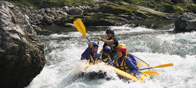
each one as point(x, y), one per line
point(99, 19)
point(180, 8)
point(155, 24)
point(102, 19)
point(116, 9)
point(192, 8)
point(168, 8)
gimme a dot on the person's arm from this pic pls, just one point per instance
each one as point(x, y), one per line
point(85, 53)
point(101, 51)
point(106, 41)
point(96, 57)
point(131, 65)
point(132, 58)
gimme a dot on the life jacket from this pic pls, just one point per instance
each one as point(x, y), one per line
point(132, 58)
point(105, 60)
point(91, 60)
point(123, 66)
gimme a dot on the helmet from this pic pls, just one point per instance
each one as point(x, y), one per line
point(95, 44)
point(123, 45)
point(109, 31)
point(121, 49)
point(107, 49)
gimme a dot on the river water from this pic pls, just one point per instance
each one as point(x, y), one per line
point(64, 47)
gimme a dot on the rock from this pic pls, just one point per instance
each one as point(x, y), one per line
point(150, 13)
point(186, 23)
point(66, 9)
point(27, 17)
point(42, 10)
point(36, 28)
point(69, 25)
point(113, 9)
point(186, 1)
point(47, 20)
point(39, 16)
point(168, 8)
point(76, 11)
point(63, 13)
point(21, 51)
point(47, 10)
point(31, 8)
point(191, 8)
point(124, 3)
point(100, 22)
point(54, 13)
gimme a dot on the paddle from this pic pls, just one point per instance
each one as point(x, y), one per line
point(159, 66)
point(147, 72)
point(81, 28)
point(140, 59)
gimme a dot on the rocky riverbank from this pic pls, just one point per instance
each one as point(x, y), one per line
point(21, 51)
point(108, 13)
point(102, 14)
point(186, 23)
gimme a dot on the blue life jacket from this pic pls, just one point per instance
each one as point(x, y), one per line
point(132, 58)
point(87, 56)
point(126, 64)
point(105, 59)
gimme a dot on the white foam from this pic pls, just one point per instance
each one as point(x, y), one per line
point(64, 62)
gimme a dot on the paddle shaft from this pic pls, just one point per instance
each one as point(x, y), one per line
point(134, 72)
point(145, 68)
point(88, 42)
point(159, 66)
point(141, 60)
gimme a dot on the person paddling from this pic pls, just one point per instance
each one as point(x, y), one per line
point(128, 54)
point(123, 62)
point(89, 54)
point(105, 56)
point(111, 41)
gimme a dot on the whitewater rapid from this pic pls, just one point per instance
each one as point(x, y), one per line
point(63, 52)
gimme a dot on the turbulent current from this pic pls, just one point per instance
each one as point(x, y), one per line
point(63, 51)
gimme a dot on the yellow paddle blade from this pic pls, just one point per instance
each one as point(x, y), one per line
point(164, 65)
point(151, 72)
point(80, 27)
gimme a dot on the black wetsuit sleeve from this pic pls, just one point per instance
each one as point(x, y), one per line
point(115, 40)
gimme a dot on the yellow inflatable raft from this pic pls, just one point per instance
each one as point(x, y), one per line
point(142, 77)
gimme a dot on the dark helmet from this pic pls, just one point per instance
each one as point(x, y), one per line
point(109, 31)
point(107, 49)
point(95, 44)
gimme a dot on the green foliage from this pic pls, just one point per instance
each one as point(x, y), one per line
point(192, 8)
point(168, 6)
point(53, 3)
point(117, 9)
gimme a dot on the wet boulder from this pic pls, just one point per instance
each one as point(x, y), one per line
point(21, 51)
point(113, 9)
point(47, 20)
point(76, 11)
point(66, 9)
point(186, 23)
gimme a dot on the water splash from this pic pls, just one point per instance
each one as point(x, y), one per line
point(63, 53)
